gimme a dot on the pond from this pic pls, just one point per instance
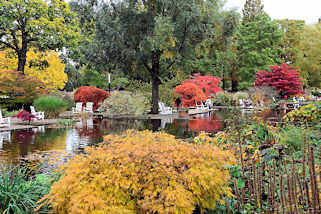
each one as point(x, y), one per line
point(19, 144)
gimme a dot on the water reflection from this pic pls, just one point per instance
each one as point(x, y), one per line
point(90, 131)
point(212, 123)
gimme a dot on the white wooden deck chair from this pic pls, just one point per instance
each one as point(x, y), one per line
point(242, 103)
point(78, 108)
point(249, 104)
point(4, 135)
point(198, 106)
point(163, 109)
point(201, 106)
point(296, 103)
point(90, 123)
point(301, 100)
point(39, 115)
point(209, 103)
point(4, 121)
point(89, 107)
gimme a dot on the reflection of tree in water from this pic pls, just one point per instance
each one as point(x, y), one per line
point(24, 142)
point(101, 127)
point(23, 136)
point(120, 125)
point(179, 128)
point(211, 124)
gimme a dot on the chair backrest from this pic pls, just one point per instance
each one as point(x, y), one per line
point(89, 107)
point(79, 106)
point(209, 102)
point(241, 102)
point(161, 106)
point(33, 111)
point(198, 105)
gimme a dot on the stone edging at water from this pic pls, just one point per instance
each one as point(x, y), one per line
point(17, 124)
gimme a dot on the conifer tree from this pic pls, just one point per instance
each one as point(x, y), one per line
point(252, 9)
point(257, 42)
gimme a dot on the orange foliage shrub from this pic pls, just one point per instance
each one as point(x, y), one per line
point(143, 172)
point(20, 88)
point(208, 83)
point(190, 94)
point(86, 94)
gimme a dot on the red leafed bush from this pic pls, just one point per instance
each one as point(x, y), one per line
point(86, 94)
point(208, 83)
point(24, 115)
point(190, 93)
point(282, 78)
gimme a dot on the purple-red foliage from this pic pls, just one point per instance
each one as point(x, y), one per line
point(86, 94)
point(25, 115)
point(282, 78)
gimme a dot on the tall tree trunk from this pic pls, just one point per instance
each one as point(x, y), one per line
point(234, 85)
point(224, 84)
point(22, 54)
point(155, 82)
point(234, 81)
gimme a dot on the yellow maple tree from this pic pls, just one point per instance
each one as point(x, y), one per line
point(46, 66)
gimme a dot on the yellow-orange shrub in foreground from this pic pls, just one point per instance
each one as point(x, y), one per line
point(143, 172)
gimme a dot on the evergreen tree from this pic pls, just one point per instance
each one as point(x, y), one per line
point(257, 42)
point(252, 9)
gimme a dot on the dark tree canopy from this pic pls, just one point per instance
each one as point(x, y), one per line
point(146, 39)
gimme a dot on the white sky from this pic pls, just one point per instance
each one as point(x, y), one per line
point(307, 10)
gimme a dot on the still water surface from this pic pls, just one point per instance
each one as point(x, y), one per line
point(19, 144)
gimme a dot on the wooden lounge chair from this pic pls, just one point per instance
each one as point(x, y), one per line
point(4, 135)
point(4, 121)
point(201, 106)
point(242, 103)
point(89, 107)
point(163, 109)
point(40, 115)
point(78, 108)
point(296, 103)
point(209, 103)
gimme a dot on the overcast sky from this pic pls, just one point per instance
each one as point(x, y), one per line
point(307, 10)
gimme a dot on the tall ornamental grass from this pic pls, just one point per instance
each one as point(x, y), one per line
point(19, 194)
point(52, 106)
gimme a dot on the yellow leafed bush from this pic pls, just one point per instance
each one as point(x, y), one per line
point(143, 172)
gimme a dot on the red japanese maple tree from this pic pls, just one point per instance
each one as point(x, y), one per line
point(25, 116)
point(86, 94)
point(208, 83)
point(190, 93)
point(281, 77)
point(198, 88)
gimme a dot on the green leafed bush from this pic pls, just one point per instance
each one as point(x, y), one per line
point(52, 106)
point(20, 195)
point(223, 99)
point(123, 103)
